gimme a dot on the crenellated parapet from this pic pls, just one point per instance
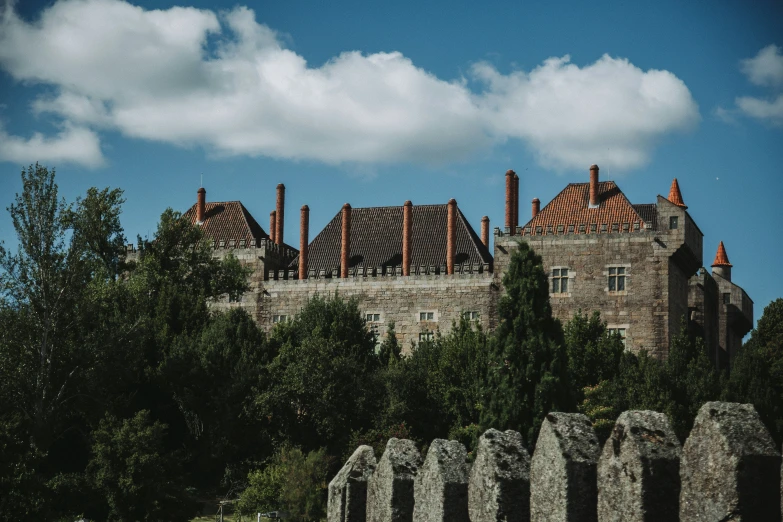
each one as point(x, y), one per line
point(728, 469)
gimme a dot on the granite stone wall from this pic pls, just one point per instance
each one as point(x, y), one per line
point(729, 469)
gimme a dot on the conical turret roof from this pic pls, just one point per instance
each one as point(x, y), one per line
point(675, 196)
point(721, 259)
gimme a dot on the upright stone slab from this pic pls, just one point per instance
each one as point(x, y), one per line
point(563, 470)
point(348, 489)
point(390, 489)
point(639, 470)
point(730, 467)
point(499, 488)
point(441, 487)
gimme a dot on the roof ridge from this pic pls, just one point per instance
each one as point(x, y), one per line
point(245, 214)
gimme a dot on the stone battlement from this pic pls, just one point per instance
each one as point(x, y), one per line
point(729, 469)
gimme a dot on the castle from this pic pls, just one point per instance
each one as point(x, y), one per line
point(423, 266)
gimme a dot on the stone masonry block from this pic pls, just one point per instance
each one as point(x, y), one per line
point(639, 470)
point(730, 467)
point(441, 486)
point(499, 488)
point(348, 489)
point(563, 470)
point(390, 489)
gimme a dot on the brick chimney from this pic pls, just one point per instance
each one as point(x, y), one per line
point(407, 237)
point(304, 232)
point(536, 207)
point(721, 265)
point(345, 249)
point(279, 217)
point(509, 200)
point(485, 231)
point(201, 203)
point(451, 235)
point(515, 208)
point(594, 186)
point(272, 225)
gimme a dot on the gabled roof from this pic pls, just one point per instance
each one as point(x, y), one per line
point(227, 221)
point(571, 207)
point(376, 239)
point(721, 258)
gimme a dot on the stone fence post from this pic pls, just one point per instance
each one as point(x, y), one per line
point(348, 489)
point(563, 470)
point(390, 489)
point(499, 488)
point(730, 467)
point(441, 487)
point(639, 470)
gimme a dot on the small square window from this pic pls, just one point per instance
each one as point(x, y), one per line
point(620, 332)
point(372, 317)
point(727, 298)
point(279, 318)
point(426, 316)
point(471, 315)
point(674, 222)
point(426, 336)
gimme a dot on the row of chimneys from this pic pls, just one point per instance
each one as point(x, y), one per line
point(276, 232)
point(512, 198)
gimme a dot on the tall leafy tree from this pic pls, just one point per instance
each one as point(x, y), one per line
point(593, 354)
point(528, 372)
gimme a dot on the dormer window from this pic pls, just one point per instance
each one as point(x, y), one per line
point(674, 222)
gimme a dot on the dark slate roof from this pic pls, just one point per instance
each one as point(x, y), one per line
point(571, 207)
point(649, 213)
point(226, 221)
point(376, 239)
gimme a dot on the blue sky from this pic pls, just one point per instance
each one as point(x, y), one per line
point(374, 103)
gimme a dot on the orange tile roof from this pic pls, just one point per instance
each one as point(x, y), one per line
point(721, 259)
point(675, 196)
point(568, 212)
point(228, 221)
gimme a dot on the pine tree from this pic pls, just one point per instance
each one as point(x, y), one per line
point(527, 376)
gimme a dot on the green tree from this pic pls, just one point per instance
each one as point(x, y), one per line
point(528, 372)
point(593, 354)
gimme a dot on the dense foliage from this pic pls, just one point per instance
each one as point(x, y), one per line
point(123, 396)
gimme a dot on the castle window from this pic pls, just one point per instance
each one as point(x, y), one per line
point(673, 222)
point(603, 227)
point(570, 229)
point(279, 318)
point(222, 243)
point(636, 226)
point(426, 316)
point(426, 336)
point(616, 278)
point(559, 280)
point(471, 316)
point(620, 332)
point(582, 228)
point(560, 229)
point(727, 298)
point(374, 323)
point(593, 227)
point(241, 243)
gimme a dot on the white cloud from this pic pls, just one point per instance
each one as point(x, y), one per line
point(222, 81)
point(766, 68)
point(71, 145)
point(770, 111)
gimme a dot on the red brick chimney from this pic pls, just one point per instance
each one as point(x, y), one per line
point(272, 225)
point(201, 203)
point(304, 231)
point(516, 203)
point(407, 237)
point(536, 206)
point(485, 231)
point(345, 250)
point(509, 200)
point(594, 186)
point(451, 235)
point(280, 214)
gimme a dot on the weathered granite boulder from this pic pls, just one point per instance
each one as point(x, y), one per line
point(563, 470)
point(390, 489)
point(639, 470)
point(499, 488)
point(348, 489)
point(730, 467)
point(441, 486)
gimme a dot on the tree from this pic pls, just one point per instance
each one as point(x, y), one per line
point(593, 354)
point(528, 373)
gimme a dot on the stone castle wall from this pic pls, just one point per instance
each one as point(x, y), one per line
point(729, 469)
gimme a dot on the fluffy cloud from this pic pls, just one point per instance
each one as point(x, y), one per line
point(71, 145)
point(765, 69)
point(225, 82)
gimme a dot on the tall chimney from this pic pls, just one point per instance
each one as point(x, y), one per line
point(407, 237)
point(509, 200)
point(485, 231)
point(304, 232)
point(451, 235)
point(594, 186)
point(201, 203)
point(536, 206)
point(280, 214)
point(272, 225)
point(516, 203)
point(345, 250)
